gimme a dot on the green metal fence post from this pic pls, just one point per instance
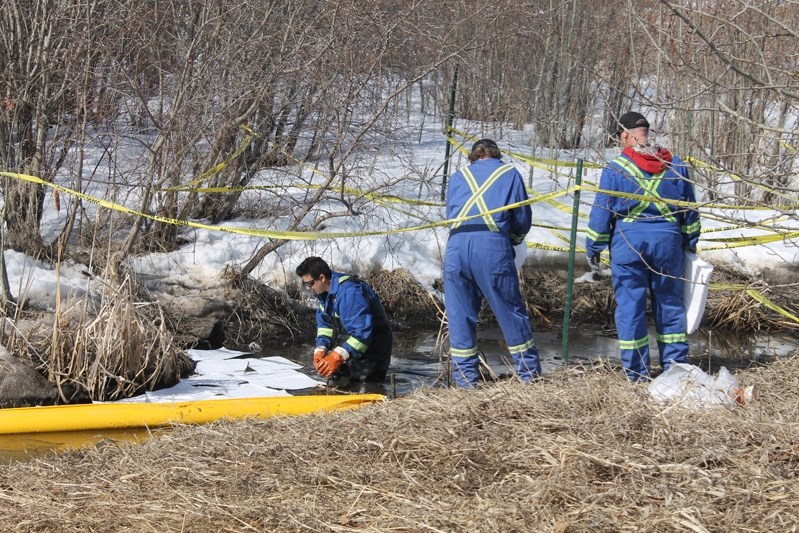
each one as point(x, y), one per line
point(450, 120)
point(567, 308)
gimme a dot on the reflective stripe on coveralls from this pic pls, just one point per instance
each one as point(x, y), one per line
point(597, 237)
point(477, 195)
point(650, 189)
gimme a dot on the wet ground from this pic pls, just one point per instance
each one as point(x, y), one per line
point(417, 359)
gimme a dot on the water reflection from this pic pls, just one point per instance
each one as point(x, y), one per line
point(29, 445)
point(417, 361)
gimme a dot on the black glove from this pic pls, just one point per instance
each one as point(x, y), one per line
point(593, 262)
point(688, 244)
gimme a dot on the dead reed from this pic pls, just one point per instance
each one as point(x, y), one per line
point(404, 298)
point(582, 451)
point(120, 349)
point(729, 306)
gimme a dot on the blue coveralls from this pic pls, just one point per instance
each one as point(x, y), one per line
point(647, 240)
point(479, 262)
point(352, 309)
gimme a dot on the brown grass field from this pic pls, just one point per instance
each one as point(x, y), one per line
point(581, 451)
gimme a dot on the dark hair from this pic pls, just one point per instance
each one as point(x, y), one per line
point(315, 266)
point(483, 148)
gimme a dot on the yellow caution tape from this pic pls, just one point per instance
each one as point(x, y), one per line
point(387, 198)
point(457, 144)
point(296, 235)
point(377, 197)
point(557, 205)
point(756, 295)
point(559, 228)
point(541, 163)
point(533, 193)
point(787, 146)
point(681, 203)
point(548, 164)
point(756, 239)
point(551, 162)
point(760, 297)
point(271, 234)
point(640, 197)
point(219, 166)
point(301, 235)
point(530, 159)
point(728, 207)
point(551, 247)
point(466, 136)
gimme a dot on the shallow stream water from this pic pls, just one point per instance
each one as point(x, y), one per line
point(416, 359)
point(416, 363)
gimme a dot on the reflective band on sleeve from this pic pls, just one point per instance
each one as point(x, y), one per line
point(597, 237)
point(358, 345)
point(517, 239)
point(691, 228)
point(324, 332)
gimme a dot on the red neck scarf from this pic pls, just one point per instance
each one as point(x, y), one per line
point(649, 158)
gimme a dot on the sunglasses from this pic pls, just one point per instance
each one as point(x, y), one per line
point(308, 284)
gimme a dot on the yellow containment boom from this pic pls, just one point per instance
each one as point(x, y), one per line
point(98, 416)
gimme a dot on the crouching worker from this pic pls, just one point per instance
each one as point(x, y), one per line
point(353, 335)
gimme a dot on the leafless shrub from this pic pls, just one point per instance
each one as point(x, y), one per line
point(262, 315)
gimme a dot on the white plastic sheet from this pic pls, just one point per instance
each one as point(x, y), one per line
point(224, 373)
point(521, 253)
point(696, 276)
point(691, 386)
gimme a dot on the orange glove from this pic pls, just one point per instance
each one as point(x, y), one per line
point(332, 362)
point(318, 355)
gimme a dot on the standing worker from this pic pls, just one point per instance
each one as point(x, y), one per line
point(350, 309)
point(647, 239)
point(479, 261)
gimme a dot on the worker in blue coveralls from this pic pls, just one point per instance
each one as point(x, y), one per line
point(647, 238)
point(479, 261)
point(351, 313)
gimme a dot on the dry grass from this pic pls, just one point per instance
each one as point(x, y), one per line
point(586, 453)
point(110, 349)
point(728, 307)
point(404, 298)
point(733, 309)
point(263, 314)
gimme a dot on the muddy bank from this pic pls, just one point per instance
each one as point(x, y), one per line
point(410, 305)
point(586, 452)
point(729, 306)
